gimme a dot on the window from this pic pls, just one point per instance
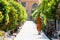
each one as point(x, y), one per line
point(23, 3)
point(34, 5)
point(32, 11)
point(18, 0)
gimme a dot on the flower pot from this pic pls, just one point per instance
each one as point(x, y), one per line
point(7, 33)
point(11, 32)
point(16, 29)
point(0, 37)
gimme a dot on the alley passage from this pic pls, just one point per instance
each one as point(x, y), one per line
point(29, 32)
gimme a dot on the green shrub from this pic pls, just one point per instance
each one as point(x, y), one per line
point(11, 14)
point(20, 11)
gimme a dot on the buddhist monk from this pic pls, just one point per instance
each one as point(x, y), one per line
point(38, 21)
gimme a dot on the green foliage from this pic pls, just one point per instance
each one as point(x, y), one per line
point(48, 8)
point(11, 14)
point(34, 14)
point(1, 17)
point(20, 11)
point(4, 9)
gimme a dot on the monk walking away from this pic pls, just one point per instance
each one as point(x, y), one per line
point(39, 24)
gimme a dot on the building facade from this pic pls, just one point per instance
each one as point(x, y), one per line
point(29, 5)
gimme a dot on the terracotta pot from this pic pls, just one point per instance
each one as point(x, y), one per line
point(1, 37)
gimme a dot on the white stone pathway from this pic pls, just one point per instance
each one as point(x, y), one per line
point(29, 32)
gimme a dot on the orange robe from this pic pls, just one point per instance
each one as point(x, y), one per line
point(38, 21)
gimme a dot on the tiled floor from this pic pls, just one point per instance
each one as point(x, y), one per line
point(29, 32)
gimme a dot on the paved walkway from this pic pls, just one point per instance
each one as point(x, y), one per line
point(29, 32)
